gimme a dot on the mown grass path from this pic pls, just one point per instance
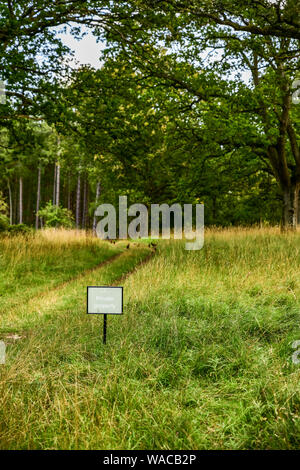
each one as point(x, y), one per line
point(30, 312)
point(30, 265)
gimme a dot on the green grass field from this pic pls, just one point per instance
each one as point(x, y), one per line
point(201, 358)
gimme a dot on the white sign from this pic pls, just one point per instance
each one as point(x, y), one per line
point(105, 300)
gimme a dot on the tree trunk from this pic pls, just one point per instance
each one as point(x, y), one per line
point(84, 204)
point(27, 197)
point(15, 201)
point(97, 199)
point(290, 207)
point(57, 184)
point(78, 202)
point(54, 186)
point(87, 217)
point(10, 204)
point(20, 200)
point(69, 192)
point(38, 198)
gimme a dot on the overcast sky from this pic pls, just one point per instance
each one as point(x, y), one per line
point(87, 50)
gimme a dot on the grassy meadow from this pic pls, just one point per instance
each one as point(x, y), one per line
point(201, 358)
point(31, 264)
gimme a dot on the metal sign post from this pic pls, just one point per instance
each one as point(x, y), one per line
point(104, 328)
point(104, 300)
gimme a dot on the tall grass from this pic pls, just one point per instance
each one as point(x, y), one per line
point(45, 259)
point(201, 358)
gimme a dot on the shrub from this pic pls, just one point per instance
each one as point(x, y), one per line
point(56, 216)
point(4, 223)
point(18, 229)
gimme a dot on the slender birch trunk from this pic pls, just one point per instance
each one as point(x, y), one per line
point(87, 218)
point(69, 192)
point(38, 198)
point(98, 188)
point(78, 202)
point(54, 186)
point(20, 200)
point(15, 201)
point(84, 204)
point(57, 184)
point(10, 204)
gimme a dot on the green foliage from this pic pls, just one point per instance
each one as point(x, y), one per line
point(3, 205)
point(19, 229)
point(56, 216)
point(4, 222)
point(163, 121)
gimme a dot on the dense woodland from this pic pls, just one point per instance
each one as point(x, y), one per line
point(195, 101)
